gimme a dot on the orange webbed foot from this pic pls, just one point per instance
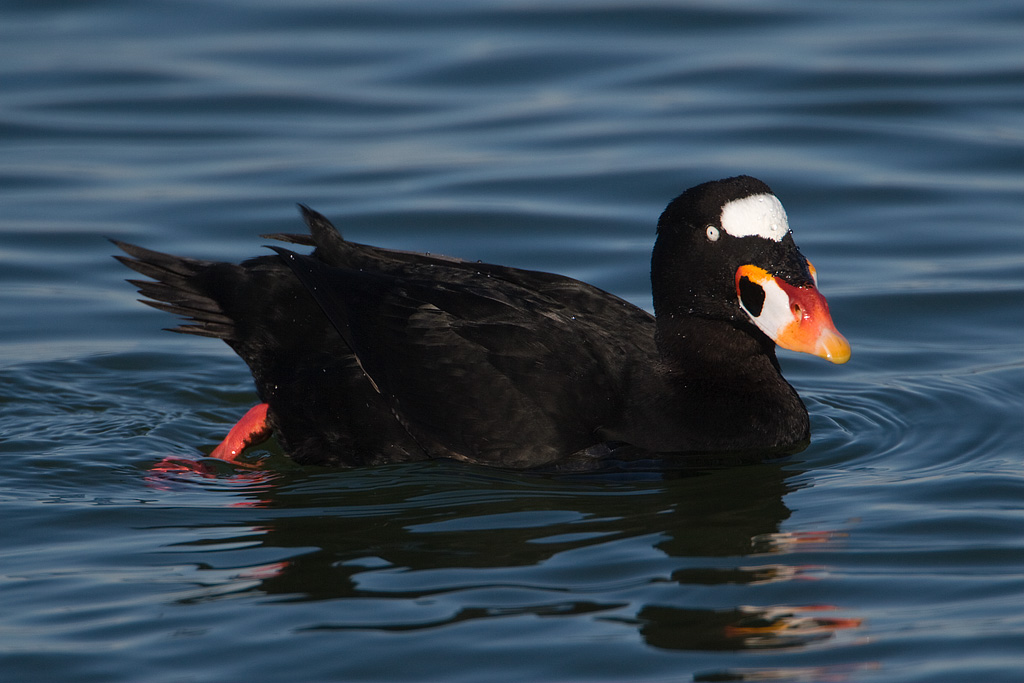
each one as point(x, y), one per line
point(252, 429)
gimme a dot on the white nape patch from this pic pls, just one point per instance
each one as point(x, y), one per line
point(759, 215)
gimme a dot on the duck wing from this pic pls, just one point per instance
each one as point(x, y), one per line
point(481, 367)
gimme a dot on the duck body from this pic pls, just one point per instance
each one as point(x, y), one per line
point(367, 356)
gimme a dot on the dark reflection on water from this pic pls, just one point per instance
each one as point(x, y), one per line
point(738, 506)
point(429, 530)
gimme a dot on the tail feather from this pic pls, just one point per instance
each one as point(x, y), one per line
point(177, 288)
point(322, 232)
point(213, 297)
point(290, 237)
point(157, 265)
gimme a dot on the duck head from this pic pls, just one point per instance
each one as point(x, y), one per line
point(725, 252)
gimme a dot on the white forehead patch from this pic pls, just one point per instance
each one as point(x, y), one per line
point(759, 215)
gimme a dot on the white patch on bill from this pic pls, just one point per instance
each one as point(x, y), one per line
point(759, 215)
point(776, 313)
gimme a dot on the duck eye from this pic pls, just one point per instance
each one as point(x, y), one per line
point(712, 233)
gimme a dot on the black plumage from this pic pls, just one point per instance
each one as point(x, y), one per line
point(367, 355)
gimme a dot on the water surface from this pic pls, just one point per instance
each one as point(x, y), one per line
point(541, 135)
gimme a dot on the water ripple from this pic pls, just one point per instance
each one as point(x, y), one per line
point(545, 137)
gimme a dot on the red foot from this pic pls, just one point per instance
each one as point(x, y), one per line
point(251, 429)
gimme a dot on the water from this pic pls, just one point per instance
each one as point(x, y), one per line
point(542, 135)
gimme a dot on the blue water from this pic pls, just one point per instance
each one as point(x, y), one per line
point(542, 135)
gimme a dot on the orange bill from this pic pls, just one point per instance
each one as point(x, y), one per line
point(795, 318)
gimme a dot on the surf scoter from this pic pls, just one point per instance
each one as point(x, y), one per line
point(363, 355)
